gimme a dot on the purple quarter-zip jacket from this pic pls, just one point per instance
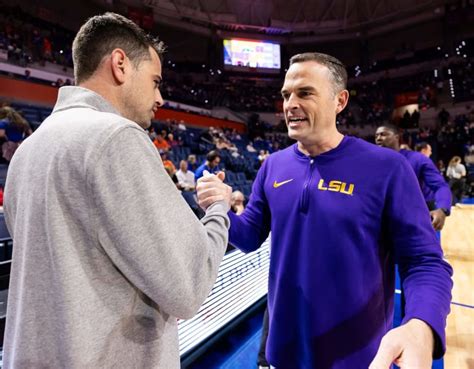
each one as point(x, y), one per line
point(339, 222)
point(432, 183)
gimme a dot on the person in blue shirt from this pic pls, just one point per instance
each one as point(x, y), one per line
point(434, 188)
point(342, 212)
point(211, 164)
point(14, 128)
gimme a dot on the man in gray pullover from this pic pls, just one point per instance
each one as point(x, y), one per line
point(107, 255)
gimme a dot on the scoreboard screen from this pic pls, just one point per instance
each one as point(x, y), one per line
point(251, 54)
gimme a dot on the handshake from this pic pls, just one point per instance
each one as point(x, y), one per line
point(211, 188)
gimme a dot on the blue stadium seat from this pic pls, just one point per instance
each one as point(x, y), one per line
point(230, 177)
point(241, 177)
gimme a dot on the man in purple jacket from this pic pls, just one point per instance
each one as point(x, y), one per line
point(435, 190)
point(342, 212)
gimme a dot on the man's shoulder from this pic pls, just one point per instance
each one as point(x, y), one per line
point(372, 152)
point(411, 154)
point(89, 121)
point(284, 154)
point(200, 169)
point(417, 157)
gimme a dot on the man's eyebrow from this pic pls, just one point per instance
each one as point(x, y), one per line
point(307, 88)
point(303, 88)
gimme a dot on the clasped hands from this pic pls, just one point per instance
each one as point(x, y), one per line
point(211, 188)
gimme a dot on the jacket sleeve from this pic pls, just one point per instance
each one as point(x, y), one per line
point(147, 229)
point(425, 275)
point(434, 180)
point(251, 228)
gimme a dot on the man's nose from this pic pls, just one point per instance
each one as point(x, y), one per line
point(158, 98)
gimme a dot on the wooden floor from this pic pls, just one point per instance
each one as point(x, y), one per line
point(457, 239)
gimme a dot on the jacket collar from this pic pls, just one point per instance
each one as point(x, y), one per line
point(79, 97)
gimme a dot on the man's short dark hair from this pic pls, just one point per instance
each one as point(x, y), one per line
point(421, 146)
point(101, 34)
point(212, 155)
point(335, 66)
point(391, 127)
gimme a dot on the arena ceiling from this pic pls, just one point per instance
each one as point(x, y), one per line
point(289, 17)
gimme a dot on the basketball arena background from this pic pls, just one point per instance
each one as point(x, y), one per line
point(409, 63)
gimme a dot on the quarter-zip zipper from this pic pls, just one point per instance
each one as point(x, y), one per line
point(304, 203)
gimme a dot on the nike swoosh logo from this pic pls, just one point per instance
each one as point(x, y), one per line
point(278, 184)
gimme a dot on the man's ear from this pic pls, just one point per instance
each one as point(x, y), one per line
point(119, 64)
point(342, 99)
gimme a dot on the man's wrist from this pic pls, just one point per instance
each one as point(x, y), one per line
point(445, 211)
point(422, 331)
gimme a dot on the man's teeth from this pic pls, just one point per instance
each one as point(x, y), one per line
point(297, 119)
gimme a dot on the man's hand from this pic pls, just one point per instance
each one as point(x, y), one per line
point(438, 218)
point(211, 188)
point(409, 346)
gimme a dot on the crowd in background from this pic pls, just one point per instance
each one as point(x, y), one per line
point(28, 40)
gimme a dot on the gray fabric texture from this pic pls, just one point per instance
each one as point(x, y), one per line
point(107, 254)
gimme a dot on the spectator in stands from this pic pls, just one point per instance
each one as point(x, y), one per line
point(182, 125)
point(406, 119)
point(469, 157)
point(174, 178)
point(47, 49)
point(106, 254)
point(443, 117)
point(185, 177)
point(192, 163)
point(152, 133)
point(442, 168)
point(342, 212)
point(433, 186)
point(250, 147)
point(263, 155)
point(221, 143)
point(415, 118)
point(237, 202)
point(208, 135)
point(234, 135)
point(160, 143)
point(187, 184)
point(424, 148)
point(167, 163)
point(171, 141)
point(276, 146)
point(211, 164)
point(14, 128)
point(456, 174)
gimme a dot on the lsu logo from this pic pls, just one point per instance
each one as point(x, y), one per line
point(336, 186)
